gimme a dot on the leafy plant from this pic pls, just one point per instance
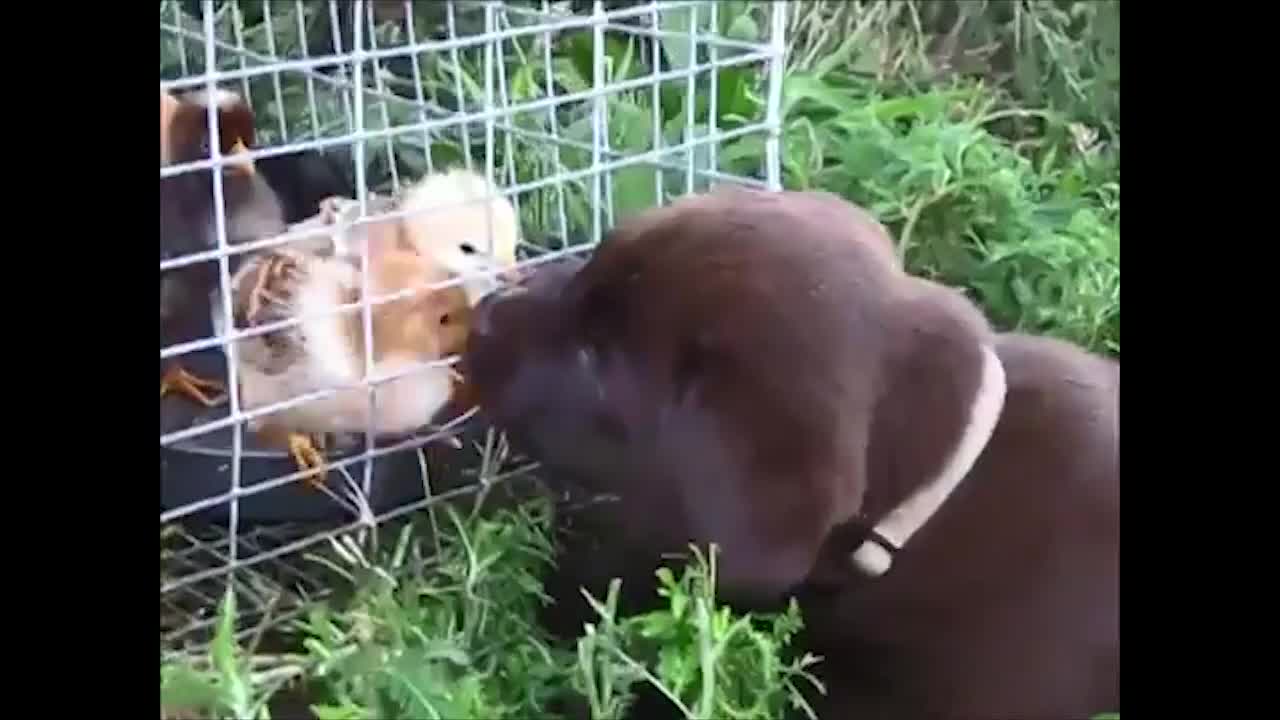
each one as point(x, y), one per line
point(703, 658)
point(443, 625)
point(450, 636)
point(1035, 239)
point(225, 683)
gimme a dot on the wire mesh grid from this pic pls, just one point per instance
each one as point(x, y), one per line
point(577, 112)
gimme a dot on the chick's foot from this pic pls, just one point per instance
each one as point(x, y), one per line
point(177, 379)
point(307, 453)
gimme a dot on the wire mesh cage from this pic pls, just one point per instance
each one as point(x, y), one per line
point(344, 109)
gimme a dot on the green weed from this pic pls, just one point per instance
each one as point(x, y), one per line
point(444, 626)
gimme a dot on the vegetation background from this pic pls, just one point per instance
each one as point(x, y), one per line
point(986, 135)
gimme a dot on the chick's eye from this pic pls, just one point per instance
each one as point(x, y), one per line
point(446, 319)
point(467, 249)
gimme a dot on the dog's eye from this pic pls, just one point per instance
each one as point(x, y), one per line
point(467, 249)
point(445, 319)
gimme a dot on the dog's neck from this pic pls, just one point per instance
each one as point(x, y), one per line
point(872, 557)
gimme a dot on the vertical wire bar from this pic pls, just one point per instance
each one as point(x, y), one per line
point(237, 29)
point(659, 175)
point(489, 30)
point(555, 128)
point(182, 38)
point(417, 85)
point(224, 280)
point(311, 83)
point(597, 115)
point(609, 69)
point(275, 76)
point(713, 164)
point(464, 129)
point(382, 99)
point(778, 46)
point(434, 84)
point(690, 100)
point(362, 194)
point(341, 69)
point(508, 143)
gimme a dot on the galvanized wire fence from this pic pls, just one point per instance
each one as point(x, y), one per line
point(580, 112)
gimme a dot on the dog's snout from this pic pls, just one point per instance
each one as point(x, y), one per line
point(483, 318)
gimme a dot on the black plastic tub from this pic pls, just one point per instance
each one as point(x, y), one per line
point(199, 467)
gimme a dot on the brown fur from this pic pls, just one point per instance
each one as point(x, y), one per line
point(189, 129)
point(746, 368)
point(1007, 602)
point(856, 223)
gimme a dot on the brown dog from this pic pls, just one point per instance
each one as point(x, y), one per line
point(747, 368)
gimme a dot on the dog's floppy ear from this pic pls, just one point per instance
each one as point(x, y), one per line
point(942, 394)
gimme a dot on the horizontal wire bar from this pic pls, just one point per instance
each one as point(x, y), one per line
point(717, 41)
point(412, 443)
point(311, 231)
point(367, 384)
point(254, 538)
point(665, 165)
point(349, 527)
point(272, 65)
point(361, 56)
point(710, 39)
point(281, 616)
point(463, 119)
point(239, 335)
point(617, 14)
point(644, 158)
point(491, 115)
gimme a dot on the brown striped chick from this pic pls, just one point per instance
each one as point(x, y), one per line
point(328, 350)
point(188, 295)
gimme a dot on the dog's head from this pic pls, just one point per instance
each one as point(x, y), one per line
point(525, 365)
point(746, 368)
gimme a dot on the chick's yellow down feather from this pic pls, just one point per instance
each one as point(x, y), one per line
point(464, 221)
point(328, 349)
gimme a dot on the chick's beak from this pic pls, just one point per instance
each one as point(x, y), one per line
point(244, 166)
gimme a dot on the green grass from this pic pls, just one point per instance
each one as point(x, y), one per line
point(984, 134)
point(443, 625)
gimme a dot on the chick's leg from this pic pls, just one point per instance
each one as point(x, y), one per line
point(307, 453)
point(177, 379)
point(305, 449)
